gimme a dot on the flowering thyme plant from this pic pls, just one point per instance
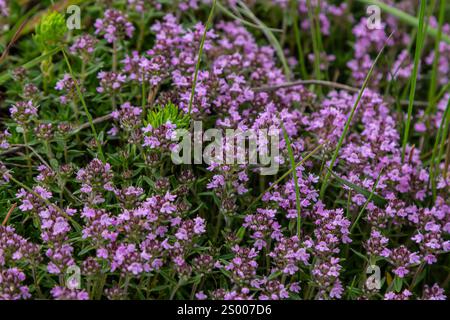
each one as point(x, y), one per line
point(93, 207)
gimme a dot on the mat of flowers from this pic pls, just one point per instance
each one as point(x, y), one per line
point(94, 96)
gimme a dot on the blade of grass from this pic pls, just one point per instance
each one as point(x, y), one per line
point(434, 71)
point(349, 120)
point(439, 143)
point(298, 40)
point(316, 49)
point(309, 155)
point(270, 36)
point(14, 34)
point(6, 75)
point(86, 110)
point(441, 93)
point(412, 21)
point(447, 158)
point(294, 175)
point(243, 21)
point(379, 200)
point(372, 193)
point(418, 51)
point(200, 52)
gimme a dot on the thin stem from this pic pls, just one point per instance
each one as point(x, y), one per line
point(27, 154)
point(35, 280)
point(48, 146)
point(9, 214)
point(114, 69)
point(76, 111)
point(243, 21)
point(86, 110)
point(306, 82)
point(141, 32)
point(199, 57)
point(144, 97)
point(367, 202)
point(175, 289)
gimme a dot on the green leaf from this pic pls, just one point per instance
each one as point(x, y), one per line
point(5, 76)
point(50, 31)
point(168, 113)
point(419, 45)
point(359, 254)
point(379, 200)
point(240, 234)
point(398, 283)
point(275, 275)
point(54, 164)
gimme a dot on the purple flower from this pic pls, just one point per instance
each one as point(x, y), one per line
point(114, 26)
point(23, 112)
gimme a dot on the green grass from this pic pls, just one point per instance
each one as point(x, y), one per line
point(406, 18)
point(306, 157)
point(294, 175)
point(372, 193)
point(349, 120)
point(439, 144)
point(86, 110)
point(418, 52)
point(270, 37)
point(298, 41)
point(378, 200)
point(229, 13)
point(200, 52)
point(315, 41)
point(434, 71)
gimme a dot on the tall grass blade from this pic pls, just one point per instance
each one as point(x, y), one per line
point(229, 13)
point(270, 36)
point(349, 120)
point(298, 41)
point(315, 42)
point(418, 51)
point(439, 144)
point(200, 52)
point(6, 75)
point(309, 155)
point(379, 200)
point(434, 71)
point(412, 21)
point(372, 193)
point(294, 175)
